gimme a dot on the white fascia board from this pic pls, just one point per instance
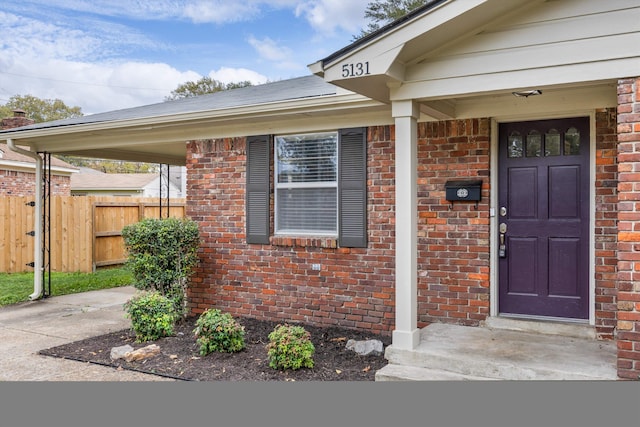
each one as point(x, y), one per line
point(63, 171)
point(30, 167)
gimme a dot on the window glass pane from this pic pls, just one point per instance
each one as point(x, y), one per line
point(572, 142)
point(306, 184)
point(515, 145)
point(307, 158)
point(307, 210)
point(534, 144)
point(552, 143)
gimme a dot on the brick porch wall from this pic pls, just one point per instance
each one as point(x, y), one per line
point(628, 327)
point(353, 288)
point(606, 227)
point(453, 244)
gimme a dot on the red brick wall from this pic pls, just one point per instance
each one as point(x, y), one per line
point(606, 227)
point(353, 288)
point(453, 244)
point(628, 327)
point(15, 183)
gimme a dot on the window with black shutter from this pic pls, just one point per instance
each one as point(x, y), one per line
point(319, 183)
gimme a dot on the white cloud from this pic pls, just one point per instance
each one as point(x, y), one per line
point(93, 87)
point(269, 49)
point(235, 75)
point(280, 56)
point(74, 64)
point(28, 37)
point(328, 16)
point(24, 36)
point(219, 12)
point(197, 11)
point(325, 16)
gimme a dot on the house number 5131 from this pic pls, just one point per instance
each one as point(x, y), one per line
point(355, 70)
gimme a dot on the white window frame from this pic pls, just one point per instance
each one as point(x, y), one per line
point(289, 185)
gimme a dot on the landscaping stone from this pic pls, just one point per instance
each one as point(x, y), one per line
point(365, 347)
point(120, 352)
point(142, 353)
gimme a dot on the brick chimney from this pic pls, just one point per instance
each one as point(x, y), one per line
point(19, 119)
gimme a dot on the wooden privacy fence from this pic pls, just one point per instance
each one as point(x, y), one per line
point(85, 231)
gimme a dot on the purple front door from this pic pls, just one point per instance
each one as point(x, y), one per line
point(543, 218)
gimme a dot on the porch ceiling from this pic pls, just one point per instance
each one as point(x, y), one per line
point(554, 100)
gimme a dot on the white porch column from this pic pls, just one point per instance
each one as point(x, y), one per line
point(406, 334)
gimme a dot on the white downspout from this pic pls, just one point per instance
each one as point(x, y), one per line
point(37, 251)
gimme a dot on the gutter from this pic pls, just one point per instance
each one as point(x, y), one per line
point(37, 251)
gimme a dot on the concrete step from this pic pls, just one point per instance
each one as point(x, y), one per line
point(415, 373)
point(507, 355)
point(565, 329)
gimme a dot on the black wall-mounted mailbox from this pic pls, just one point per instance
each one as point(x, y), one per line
point(464, 190)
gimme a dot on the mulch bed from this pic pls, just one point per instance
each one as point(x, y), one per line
point(179, 356)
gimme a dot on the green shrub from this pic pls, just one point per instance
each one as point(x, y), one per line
point(217, 331)
point(161, 255)
point(152, 315)
point(290, 347)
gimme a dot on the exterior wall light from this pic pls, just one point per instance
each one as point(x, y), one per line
point(527, 93)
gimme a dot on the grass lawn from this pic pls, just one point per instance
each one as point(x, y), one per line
point(16, 287)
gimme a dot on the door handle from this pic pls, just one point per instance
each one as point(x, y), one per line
point(502, 249)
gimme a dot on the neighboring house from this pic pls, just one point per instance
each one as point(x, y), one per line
point(470, 161)
point(17, 171)
point(121, 184)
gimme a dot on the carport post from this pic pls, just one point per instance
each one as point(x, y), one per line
point(37, 227)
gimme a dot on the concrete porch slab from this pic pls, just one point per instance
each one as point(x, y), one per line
point(468, 353)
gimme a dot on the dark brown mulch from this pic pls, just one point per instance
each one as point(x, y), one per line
point(179, 356)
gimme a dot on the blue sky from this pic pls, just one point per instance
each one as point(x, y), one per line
point(105, 55)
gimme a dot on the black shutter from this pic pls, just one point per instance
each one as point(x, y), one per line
point(352, 188)
point(258, 189)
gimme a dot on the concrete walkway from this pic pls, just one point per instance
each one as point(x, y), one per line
point(29, 327)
